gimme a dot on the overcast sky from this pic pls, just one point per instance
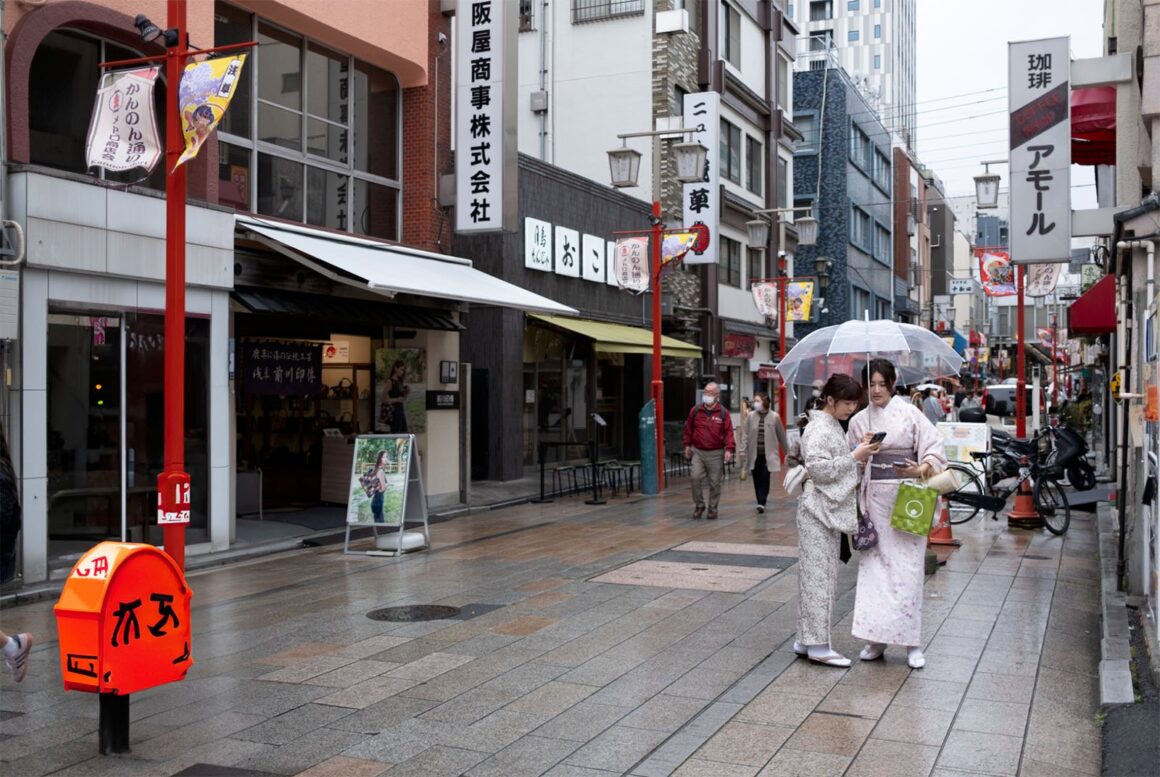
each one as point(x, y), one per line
point(962, 51)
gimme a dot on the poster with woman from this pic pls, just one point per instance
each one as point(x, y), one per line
point(401, 390)
point(378, 481)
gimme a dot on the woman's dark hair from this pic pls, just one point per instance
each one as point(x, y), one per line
point(398, 363)
point(842, 387)
point(813, 403)
point(381, 459)
point(883, 367)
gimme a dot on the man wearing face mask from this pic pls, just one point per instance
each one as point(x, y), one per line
point(708, 441)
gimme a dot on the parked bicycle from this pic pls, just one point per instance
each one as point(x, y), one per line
point(1005, 469)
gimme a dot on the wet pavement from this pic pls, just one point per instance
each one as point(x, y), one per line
point(597, 640)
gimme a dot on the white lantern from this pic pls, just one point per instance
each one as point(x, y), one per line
point(690, 161)
point(624, 165)
point(987, 190)
point(807, 229)
point(758, 231)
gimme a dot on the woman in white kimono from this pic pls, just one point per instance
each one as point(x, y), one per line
point(888, 602)
point(827, 508)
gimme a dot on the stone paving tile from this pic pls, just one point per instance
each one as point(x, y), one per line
point(271, 699)
point(341, 766)
point(989, 753)
point(919, 691)
point(965, 647)
point(887, 675)
point(582, 722)
point(916, 725)
point(856, 700)
point(301, 652)
point(169, 743)
point(438, 761)
point(1032, 768)
point(224, 751)
point(663, 713)
point(429, 666)
point(750, 744)
point(368, 692)
point(617, 748)
point(370, 646)
point(880, 758)
point(304, 670)
point(699, 767)
point(290, 725)
point(304, 752)
point(351, 674)
point(838, 734)
point(998, 687)
point(804, 763)
point(568, 770)
point(381, 715)
point(530, 756)
point(494, 732)
point(551, 698)
point(522, 627)
point(475, 704)
point(992, 717)
point(1001, 661)
point(773, 707)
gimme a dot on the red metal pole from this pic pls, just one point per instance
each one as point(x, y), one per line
point(658, 386)
point(781, 306)
point(172, 483)
point(1020, 369)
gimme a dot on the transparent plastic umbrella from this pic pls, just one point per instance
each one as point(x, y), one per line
point(918, 354)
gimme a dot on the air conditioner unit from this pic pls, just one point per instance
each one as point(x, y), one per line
point(672, 21)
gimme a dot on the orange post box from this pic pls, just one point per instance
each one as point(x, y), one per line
point(123, 620)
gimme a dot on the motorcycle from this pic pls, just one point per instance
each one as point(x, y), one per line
point(1071, 456)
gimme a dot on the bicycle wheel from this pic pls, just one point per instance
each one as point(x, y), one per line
point(969, 484)
point(1051, 504)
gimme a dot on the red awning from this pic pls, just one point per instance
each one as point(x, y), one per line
point(1093, 126)
point(1094, 313)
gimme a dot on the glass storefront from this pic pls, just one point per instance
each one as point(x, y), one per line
point(105, 432)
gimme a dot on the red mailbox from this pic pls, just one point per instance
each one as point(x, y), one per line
point(123, 620)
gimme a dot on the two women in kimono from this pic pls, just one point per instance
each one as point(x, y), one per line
point(827, 508)
point(888, 602)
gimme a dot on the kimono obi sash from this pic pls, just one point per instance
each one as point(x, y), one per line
point(882, 464)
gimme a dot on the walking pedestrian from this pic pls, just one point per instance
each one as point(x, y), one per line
point(758, 454)
point(888, 602)
point(709, 443)
point(15, 650)
point(827, 508)
point(932, 408)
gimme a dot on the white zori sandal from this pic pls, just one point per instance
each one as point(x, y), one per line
point(873, 651)
point(824, 654)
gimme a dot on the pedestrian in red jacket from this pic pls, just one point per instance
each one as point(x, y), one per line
point(709, 444)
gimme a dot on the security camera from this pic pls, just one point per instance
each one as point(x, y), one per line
point(442, 40)
point(781, 254)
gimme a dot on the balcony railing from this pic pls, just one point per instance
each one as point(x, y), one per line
point(599, 10)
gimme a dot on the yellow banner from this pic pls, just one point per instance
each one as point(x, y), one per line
point(205, 93)
point(798, 298)
point(675, 245)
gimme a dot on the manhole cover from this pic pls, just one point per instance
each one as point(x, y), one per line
point(413, 612)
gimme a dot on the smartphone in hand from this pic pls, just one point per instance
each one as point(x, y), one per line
point(877, 438)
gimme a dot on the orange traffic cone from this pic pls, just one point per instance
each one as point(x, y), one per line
point(940, 533)
point(1024, 515)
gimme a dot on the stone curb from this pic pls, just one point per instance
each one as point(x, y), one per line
point(1115, 650)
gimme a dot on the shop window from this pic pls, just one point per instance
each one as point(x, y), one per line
point(316, 138)
point(730, 272)
point(753, 162)
point(755, 265)
point(731, 151)
point(61, 84)
point(731, 34)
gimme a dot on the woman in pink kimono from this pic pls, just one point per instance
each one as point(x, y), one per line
point(888, 603)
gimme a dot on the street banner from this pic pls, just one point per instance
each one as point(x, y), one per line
point(1041, 279)
point(123, 129)
point(799, 295)
point(676, 246)
point(765, 298)
point(631, 264)
point(702, 199)
point(996, 273)
point(1039, 101)
point(205, 93)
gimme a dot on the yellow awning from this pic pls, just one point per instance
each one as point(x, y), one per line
point(618, 338)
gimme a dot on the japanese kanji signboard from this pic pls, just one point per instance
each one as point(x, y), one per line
point(537, 245)
point(123, 130)
point(485, 131)
point(123, 620)
point(1040, 157)
point(702, 199)
point(567, 252)
point(280, 368)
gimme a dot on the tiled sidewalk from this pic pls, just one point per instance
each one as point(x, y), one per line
point(681, 666)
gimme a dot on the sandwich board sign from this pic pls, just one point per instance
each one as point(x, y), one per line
point(386, 491)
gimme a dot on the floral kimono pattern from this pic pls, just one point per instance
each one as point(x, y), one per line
point(888, 602)
point(826, 508)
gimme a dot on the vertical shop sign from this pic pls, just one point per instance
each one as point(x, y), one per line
point(485, 117)
point(610, 265)
point(702, 199)
point(537, 245)
point(1039, 102)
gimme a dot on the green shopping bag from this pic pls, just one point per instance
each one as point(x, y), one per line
point(914, 509)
